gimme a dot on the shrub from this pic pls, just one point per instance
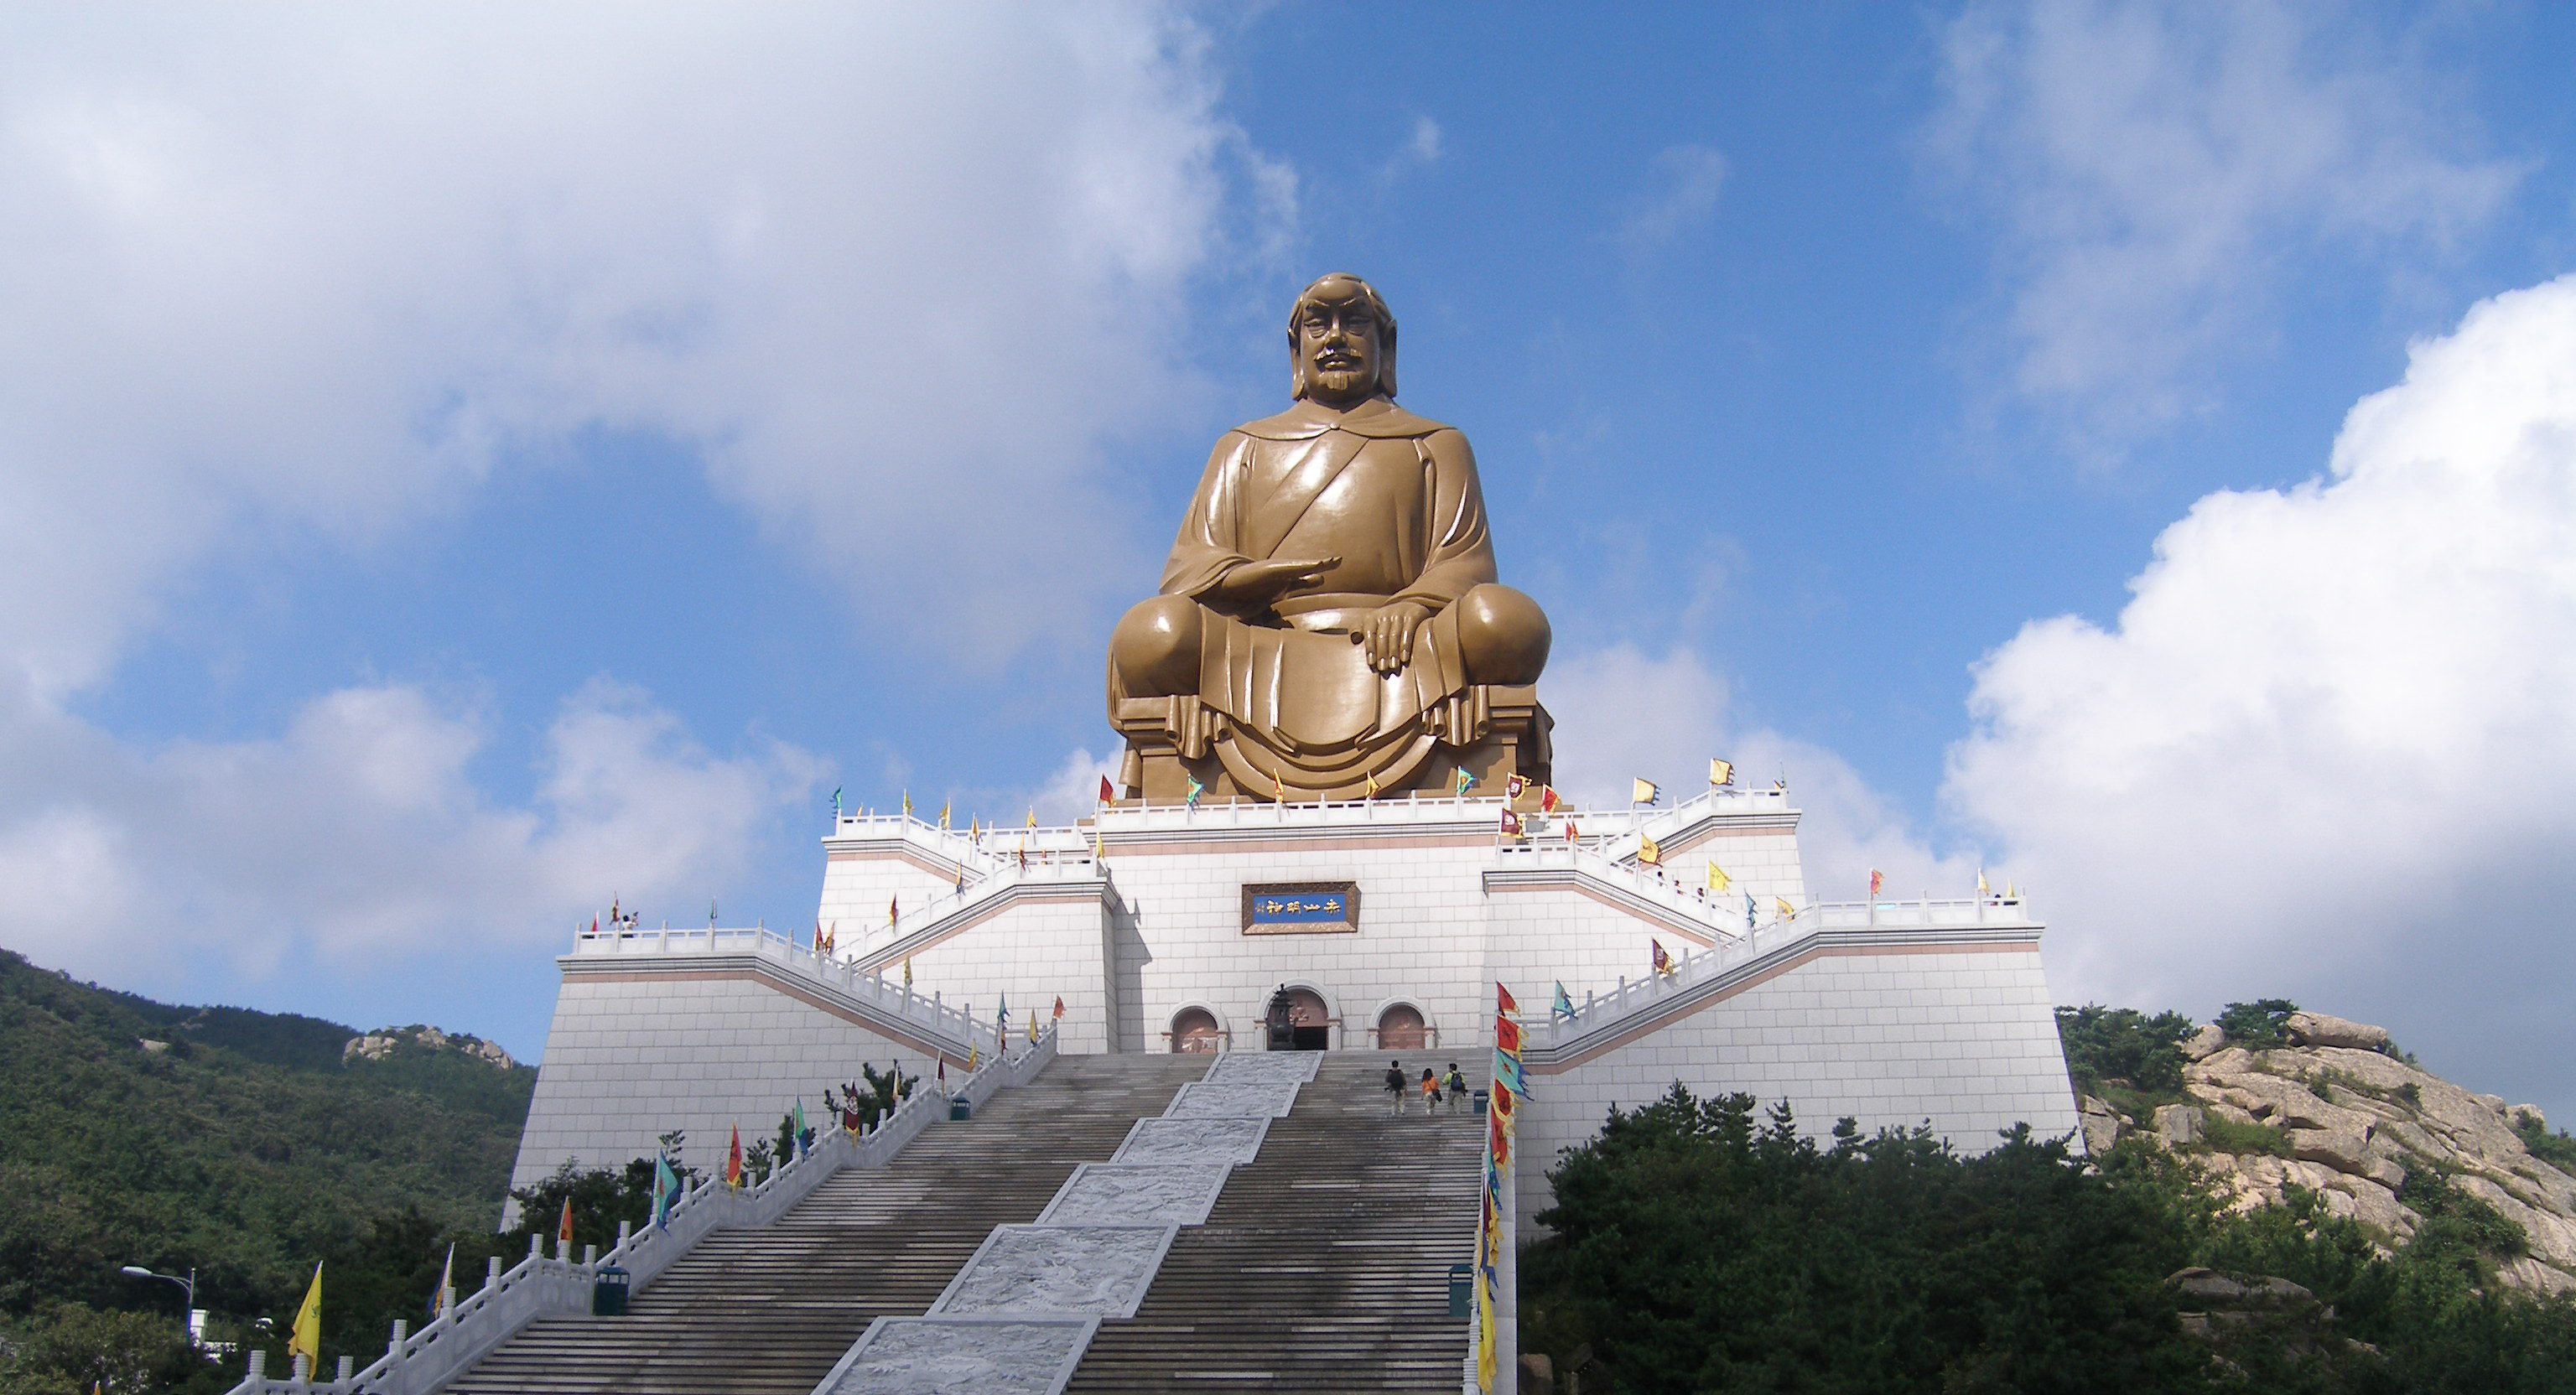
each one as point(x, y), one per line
point(2123, 1044)
point(2228, 1136)
point(2556, 1149)
point(2263, 1022)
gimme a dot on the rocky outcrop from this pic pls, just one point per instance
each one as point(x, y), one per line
point(384, 1042)
point(2352, 1120)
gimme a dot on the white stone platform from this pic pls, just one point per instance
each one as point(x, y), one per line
point(1895, 1014)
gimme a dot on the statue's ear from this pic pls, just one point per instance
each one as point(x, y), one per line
point(1298, 382)
point(1386, 361)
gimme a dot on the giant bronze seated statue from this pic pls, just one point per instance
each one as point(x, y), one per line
point(1329, 624)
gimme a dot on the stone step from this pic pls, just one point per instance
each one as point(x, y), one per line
point(1323, 1266)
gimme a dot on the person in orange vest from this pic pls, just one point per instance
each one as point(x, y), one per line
point(1430, 1092)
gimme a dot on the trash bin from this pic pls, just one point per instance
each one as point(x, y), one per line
point(960, 1110)
point(608, 1293)
point(1462, 1290)
point(1480, 1098)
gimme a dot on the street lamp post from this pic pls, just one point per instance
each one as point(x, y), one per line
point(187, 1285)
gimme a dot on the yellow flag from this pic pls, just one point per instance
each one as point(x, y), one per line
point(1033, 1029)
point(306, 1335)
point(970, 1058)
point(1787, 911)
point(1721, 773)
point(1372, 784)
point(1641, 791)
point(907, 804)
point(1033, 816)
point(907, 971)
point(1649, 852)
point(1484, 1332)
point(943, 818)
point(1717, 878)
point(2011, 892)
point(1982, 888)
point(1098, 853)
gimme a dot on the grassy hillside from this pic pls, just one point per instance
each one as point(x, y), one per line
point(244, 1147)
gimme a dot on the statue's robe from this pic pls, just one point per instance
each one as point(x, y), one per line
point(1396, 498)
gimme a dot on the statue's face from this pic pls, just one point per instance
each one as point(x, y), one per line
point(1342, 343)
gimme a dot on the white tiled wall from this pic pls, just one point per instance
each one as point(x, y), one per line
point(627, 1061)
point(1964, 1042)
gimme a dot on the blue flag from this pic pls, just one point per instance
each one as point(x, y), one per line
point(1507, 1069)
point(666, 1187)
point(1564, 1004)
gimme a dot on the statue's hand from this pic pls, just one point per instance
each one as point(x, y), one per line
point(1389, 634)
point(1260, 583)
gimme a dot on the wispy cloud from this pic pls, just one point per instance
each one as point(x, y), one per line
point(1680, 195)
point(2155, 169)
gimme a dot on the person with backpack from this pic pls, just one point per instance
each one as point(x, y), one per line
point(1457, 1086)
point(1395, 1084)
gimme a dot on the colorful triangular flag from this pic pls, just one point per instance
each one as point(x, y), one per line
point(1564, 1004)
point(1663, 962)
point(1108, 795)
point(733, 1160)
point(1503, 1000)
point(1642, 791)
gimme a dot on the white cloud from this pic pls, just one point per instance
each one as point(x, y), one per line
point(359, 835)
point(2329, 747)
point(289, 277)
point(899, 275)
point(1682, 195)
point(2156, 168)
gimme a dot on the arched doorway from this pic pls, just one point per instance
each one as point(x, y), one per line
point(1299, 1021)
point(1195, 1029)
point(1400, 1028)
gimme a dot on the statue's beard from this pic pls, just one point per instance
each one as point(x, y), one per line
point(1344, 382)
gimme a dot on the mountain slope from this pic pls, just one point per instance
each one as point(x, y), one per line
point(237, 1142)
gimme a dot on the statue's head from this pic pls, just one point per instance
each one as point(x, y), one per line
point(1341, 342)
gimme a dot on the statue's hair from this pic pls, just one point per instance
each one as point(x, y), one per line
point(1298, 384)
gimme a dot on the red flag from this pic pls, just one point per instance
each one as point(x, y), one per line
point(1107, 794)
point(1059, 1008)
point(1513, 786)
point(1547, 799)
point(1500, 1140)
point(1663, 961)
point(1504, 1001)
point(1507, 1035)
point(1502, 1099)
point(818, 934)
point(1877, 879)
point(733, 1159)
point(1511, 824)
point(894, 909)
point(594, 922)
point(563, 1229)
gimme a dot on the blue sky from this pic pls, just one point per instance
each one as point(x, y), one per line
point(459, 465)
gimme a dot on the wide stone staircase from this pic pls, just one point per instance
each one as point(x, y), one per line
point(1322, 1267)
point(771, 1309)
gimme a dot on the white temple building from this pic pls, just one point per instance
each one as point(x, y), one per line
point(1381, 926)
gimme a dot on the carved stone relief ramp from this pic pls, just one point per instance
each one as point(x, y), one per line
point(1024, 1308)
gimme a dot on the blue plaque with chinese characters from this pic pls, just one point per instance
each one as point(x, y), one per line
point(1307, 908)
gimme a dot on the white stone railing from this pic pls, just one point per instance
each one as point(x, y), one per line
point(1052, 867)
point(1601, 1014)
point(1719, 917)
point(422, 1362)
point(926, 1015)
